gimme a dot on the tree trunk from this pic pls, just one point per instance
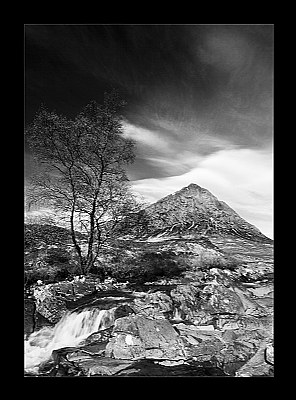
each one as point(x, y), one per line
point(90, 255)
point(76, 245)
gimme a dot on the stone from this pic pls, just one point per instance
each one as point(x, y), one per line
point(41, 321)
point(63, 289)
point(48, 304)
point(122, 311)
point(72, 361)
point(250, 307)
point(29, 316)
point(156, 305)
point(137, 337)
point(257, 365)
point(169, 363)
point(269, 354)
point(186, 300)
point(97, 337)
point(103, 366)
point(218, 299)
point(81, 289)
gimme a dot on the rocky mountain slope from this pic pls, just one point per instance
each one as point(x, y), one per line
point(194, 210)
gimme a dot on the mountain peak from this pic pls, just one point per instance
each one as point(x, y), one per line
point(195, 210)
point(194, 186)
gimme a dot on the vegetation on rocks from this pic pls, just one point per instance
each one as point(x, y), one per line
point(143, 267)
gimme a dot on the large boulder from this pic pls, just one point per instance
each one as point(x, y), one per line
point(48, 304)
point(201, 343)
point(219, 299)
point(53, 300)
point(206, 304)
point(136, 337)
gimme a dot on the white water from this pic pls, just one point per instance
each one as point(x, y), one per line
point(68, 332)
point(177, 315)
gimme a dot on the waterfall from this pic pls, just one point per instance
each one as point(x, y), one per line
point(68, 332)
point(177, 315)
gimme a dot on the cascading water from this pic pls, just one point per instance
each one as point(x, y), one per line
point(68, 332)
point(177, 315)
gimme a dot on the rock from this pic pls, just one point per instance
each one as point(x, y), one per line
point(63, 289)
point(218, 299)
point(103, 366)
point(53, 300)
point(48, 304)
point(137, 337)
point(269, 354)
point(86, 363)
point(229, 348)
point(41, 321)
point(169, 363)
point(186, 300)
point(255, 272)
point(29, 316)
point(101, 336)
point(257, 365)
point(250, 307)
point(123, 310)
point(202, 344)
point(83, 288)
point(156, 305)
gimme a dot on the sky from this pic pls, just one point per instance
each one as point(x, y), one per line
point(199, 102)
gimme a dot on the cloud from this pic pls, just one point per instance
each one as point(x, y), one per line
point(146, 137)
point(240, 177)
point(171, 148)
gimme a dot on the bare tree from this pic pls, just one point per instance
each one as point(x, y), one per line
point(81, 171)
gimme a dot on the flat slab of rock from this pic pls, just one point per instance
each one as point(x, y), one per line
point(102, 365)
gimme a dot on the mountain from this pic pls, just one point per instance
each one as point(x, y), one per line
point(194, 210)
